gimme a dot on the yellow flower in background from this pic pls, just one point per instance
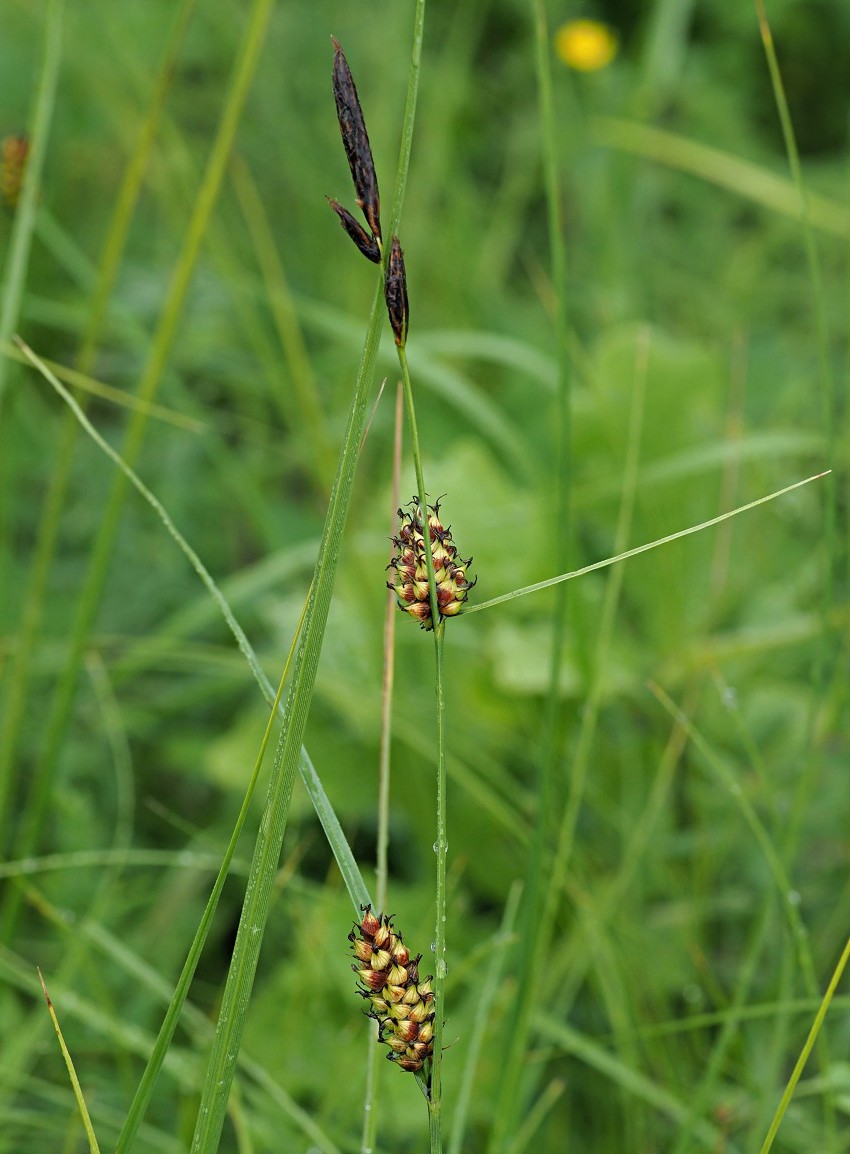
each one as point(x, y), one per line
point(586, 45)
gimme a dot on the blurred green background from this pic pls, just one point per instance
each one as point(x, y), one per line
point(675, 998)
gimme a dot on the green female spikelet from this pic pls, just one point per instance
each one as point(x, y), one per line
point(410, 571)
point(401, 1004)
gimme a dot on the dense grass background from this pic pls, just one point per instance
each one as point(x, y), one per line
point(706, 900)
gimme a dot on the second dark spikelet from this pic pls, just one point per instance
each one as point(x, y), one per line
point(355, 139)
point(395, 291)
point(367, 244)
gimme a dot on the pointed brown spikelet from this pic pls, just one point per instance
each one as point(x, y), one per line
point(367, 244)
point(13, 159)
point(395, 291)
point(355, 139)
point(400, 1002)
point(410, 569)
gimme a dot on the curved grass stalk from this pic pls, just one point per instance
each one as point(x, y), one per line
point(348, 866)
point(750, 181)
point(526, 589)
point(812, 1037)
point(434, 1088)
point(72, 1073)
point(370, 1111)
point(351, 874)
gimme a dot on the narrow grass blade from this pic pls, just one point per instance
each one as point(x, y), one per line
point(641, 548)
point(125, 400)
point(232, 1015)
point(742, 177)
point(807, 1048)
point(336, 838)
point(348, 867)
point(72, 1073)
point(144, 1092)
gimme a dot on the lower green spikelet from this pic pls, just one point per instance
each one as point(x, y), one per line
point(401, 1004)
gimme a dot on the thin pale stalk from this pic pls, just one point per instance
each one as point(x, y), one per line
point(370, 1111)
point(539, 585)
point(800, 1065)
point(409, 115)
point(72, 1073)
point(441, 844)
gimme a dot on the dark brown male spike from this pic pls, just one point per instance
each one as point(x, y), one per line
point(395, 292)
point(355, 139)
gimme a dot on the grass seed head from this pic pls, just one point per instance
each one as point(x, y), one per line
point(402, 1006)
point(410, 571)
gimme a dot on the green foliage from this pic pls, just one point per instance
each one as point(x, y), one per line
point(703, 903)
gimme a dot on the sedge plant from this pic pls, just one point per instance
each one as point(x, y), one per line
point(539, 1028)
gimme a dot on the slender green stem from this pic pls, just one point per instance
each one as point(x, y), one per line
point(807, 1049)
point(72, 1073)
point(441, 844)
point(409, 115)
point(370, 1112)
point(441, 848)
point(539, 585)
